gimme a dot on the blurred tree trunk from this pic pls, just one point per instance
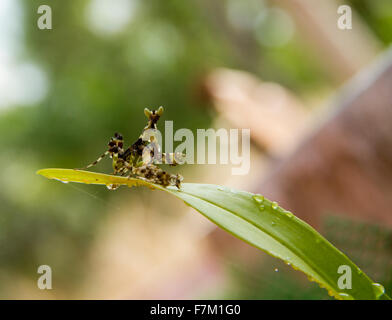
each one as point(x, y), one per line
point(345, 166)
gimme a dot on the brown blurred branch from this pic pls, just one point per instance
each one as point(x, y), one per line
point(345, 167)
point(276, 116)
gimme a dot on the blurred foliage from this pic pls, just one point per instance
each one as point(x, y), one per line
point(369, 245)
point(378, 15)
point(270, 279)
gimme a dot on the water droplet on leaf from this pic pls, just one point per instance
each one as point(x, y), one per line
point(112, 186)
point(345, 296)
point(274, 205)
point(62, 181)
point(258, 198)
point(378, 290)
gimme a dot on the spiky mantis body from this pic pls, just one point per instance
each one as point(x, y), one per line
point(140, 159)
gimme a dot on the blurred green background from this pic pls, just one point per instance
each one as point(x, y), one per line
point(65, 91)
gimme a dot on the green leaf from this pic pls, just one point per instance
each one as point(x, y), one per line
point(259, 222)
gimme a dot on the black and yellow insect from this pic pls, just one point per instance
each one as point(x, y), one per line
point(140, 159)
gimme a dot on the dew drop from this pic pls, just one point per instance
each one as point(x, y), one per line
point(258, 198)
point(62, 181)
point(273, 223)
point(112, 186)
point(274, 205)
point(289, 214)
point(261, 207)
point(345, 296)
point(276, 269)
point(221, 189)
point(378, 290)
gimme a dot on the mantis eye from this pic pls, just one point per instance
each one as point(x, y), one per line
point(118, 136)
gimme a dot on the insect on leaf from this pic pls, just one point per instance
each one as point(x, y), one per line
point(259, 222)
